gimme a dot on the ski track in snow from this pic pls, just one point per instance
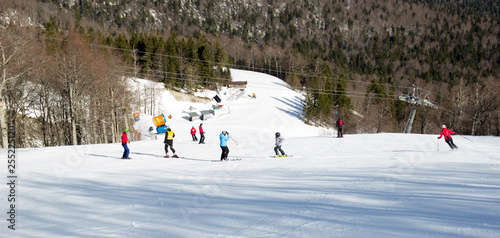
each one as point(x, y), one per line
point(367, 185)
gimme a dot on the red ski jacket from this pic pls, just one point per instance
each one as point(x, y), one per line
point(201, 130)
point(193, 131)
point(124, 138)
point(446, 133)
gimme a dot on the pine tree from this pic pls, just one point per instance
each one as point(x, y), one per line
point(173, 61)
point(341, 98)
point(205, 56)
point(123, 46)
point(190, 50)
point(325, 101)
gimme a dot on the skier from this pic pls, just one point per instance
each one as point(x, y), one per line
point(202, 134)
point(193, 134)
point(278, 141)
point(124, 144)
point(224, 137)
point(340, 131)
point(447, 137)
point(169, 141)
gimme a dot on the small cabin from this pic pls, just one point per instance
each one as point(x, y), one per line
point(193, 116)
point(205, 114)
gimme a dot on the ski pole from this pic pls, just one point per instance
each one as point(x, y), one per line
point(233, 140)
point(438, 144)
point(465, 138)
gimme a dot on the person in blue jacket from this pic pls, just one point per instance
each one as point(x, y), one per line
point(224, 137)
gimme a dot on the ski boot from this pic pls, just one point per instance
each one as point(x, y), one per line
point(166, 156)
point(175, 156)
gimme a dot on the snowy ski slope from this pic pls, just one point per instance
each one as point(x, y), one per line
point(364, 185)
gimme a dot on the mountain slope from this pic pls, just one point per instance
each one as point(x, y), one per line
point(378, 185)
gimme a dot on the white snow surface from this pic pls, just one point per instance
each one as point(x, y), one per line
point(362, 185)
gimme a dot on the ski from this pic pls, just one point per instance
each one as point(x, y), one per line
point(130, 158)
point(279, 156)
point(225, 160)
point(167, 157)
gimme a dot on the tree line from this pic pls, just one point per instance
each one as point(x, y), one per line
point(357, 72)
point(69, 86)
point(59, 90)
point(180, 62)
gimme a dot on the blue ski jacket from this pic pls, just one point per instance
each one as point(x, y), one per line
point(223, 139)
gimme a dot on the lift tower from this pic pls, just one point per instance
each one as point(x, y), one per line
point(416, 98)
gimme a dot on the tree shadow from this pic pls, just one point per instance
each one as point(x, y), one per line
point(295, 104)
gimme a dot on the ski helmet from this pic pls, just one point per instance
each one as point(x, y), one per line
point(126, 130)
point(277, 134)
point(224, 132)
point(443, 126)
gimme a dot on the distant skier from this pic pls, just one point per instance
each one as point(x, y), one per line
point(340, 130)
point(278, 141)
point(447, 137)
point(193, 134)
point(224, 137)
point(169, 142)
point(124, 144)
point(202, 134)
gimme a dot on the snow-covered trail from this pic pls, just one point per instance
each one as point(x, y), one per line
point(367, 185)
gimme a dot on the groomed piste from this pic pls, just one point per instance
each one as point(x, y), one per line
point(363, 185)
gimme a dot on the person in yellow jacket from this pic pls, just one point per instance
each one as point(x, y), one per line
point(169, 142)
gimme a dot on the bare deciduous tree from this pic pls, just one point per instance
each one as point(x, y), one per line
point(16, 61)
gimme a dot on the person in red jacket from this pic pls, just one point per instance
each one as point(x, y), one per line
point(202, 134)
point(447, 137)
point(124, 144)
point(340, 124)
point(193, 134)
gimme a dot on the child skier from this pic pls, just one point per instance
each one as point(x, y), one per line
point(202, 134)
point(278, 141)
point(193, 134)
point(224, 137)
point(447, 137)
point(169, 141)
point(124, 144)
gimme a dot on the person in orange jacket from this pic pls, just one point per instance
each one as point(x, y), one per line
point(447, 137)
point(193, 134)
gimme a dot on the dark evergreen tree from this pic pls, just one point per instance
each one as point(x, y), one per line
point(341, 99)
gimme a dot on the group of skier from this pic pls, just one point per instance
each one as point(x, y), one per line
point(169, 140)
point(202, 134)
point(224, 138)
point(444, 132)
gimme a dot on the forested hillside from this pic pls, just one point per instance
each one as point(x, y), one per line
point(348, 56)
